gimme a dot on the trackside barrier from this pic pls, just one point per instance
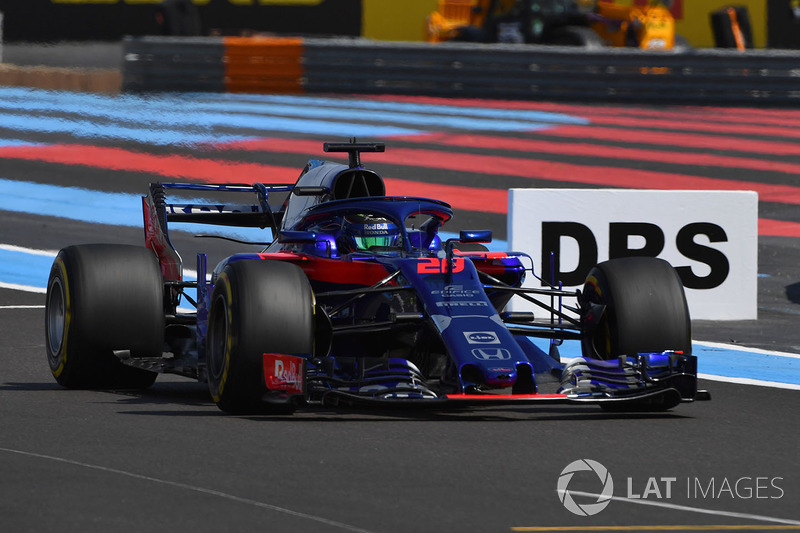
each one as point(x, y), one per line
point(524, 72)
point(173, 64)
point(263, 65)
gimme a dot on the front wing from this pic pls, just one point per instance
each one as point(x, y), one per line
point(663, 379)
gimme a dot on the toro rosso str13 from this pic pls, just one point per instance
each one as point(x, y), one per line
point(359, 300)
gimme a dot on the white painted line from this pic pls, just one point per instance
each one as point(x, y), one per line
point(740, 348)
point(32, 251)
point(750, 381)
point(201, 490)
point(190, 274)
point(24, 288)
point(21, 307)
point(676, 507)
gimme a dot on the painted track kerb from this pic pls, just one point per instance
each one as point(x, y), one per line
point(719, 362)
point(745, 349)
point(788, 358)
point(367, 457)
point(243, 132)
point(749, 381)
point(184, 486)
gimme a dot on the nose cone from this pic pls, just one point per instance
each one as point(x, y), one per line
point(500, 377)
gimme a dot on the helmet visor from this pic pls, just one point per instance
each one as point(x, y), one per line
point(365, 243)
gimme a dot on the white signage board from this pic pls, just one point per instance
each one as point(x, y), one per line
point(710, 237)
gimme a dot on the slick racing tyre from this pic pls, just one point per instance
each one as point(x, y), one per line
point(256, 307)
point(102, 298)
point(645, 309)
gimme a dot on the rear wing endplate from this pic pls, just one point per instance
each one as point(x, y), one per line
point(158, 212)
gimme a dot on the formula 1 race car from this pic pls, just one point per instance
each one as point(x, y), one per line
point(360, 301)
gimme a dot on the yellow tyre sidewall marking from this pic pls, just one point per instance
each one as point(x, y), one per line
point(62, 354)
point(592, 280)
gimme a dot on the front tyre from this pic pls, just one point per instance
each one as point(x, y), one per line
point(101, 298)
point(256, 307)
point(645, 309)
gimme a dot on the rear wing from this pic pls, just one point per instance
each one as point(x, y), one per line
point(252, 215)
point(158, 212)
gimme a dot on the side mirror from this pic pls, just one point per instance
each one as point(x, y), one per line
point(307, 237)
point(297, 237)
point(482, 235)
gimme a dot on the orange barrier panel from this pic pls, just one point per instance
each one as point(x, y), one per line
point(264, 64)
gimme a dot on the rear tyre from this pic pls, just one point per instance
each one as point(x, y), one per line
point(645, 309)
point(257, 307)
point(101, 298)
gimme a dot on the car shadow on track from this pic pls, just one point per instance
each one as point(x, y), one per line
point(184, 396)
point(494, 414)
point(30, 387)
point(318, 415)
point(192, 399)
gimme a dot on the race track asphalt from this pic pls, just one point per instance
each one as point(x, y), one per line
point(167, 459)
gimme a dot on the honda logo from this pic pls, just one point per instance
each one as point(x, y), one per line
point(491, 354)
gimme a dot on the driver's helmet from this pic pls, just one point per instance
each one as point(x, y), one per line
point(362, 232)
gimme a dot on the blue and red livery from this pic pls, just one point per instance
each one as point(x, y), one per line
point(409, 319)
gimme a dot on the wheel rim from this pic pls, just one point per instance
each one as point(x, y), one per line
point(56, 317)
point(217, 338)
point(600, 340)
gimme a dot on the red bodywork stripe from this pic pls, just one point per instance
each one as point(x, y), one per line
point(501, 397)
point(364, 273)
point(482, 255)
